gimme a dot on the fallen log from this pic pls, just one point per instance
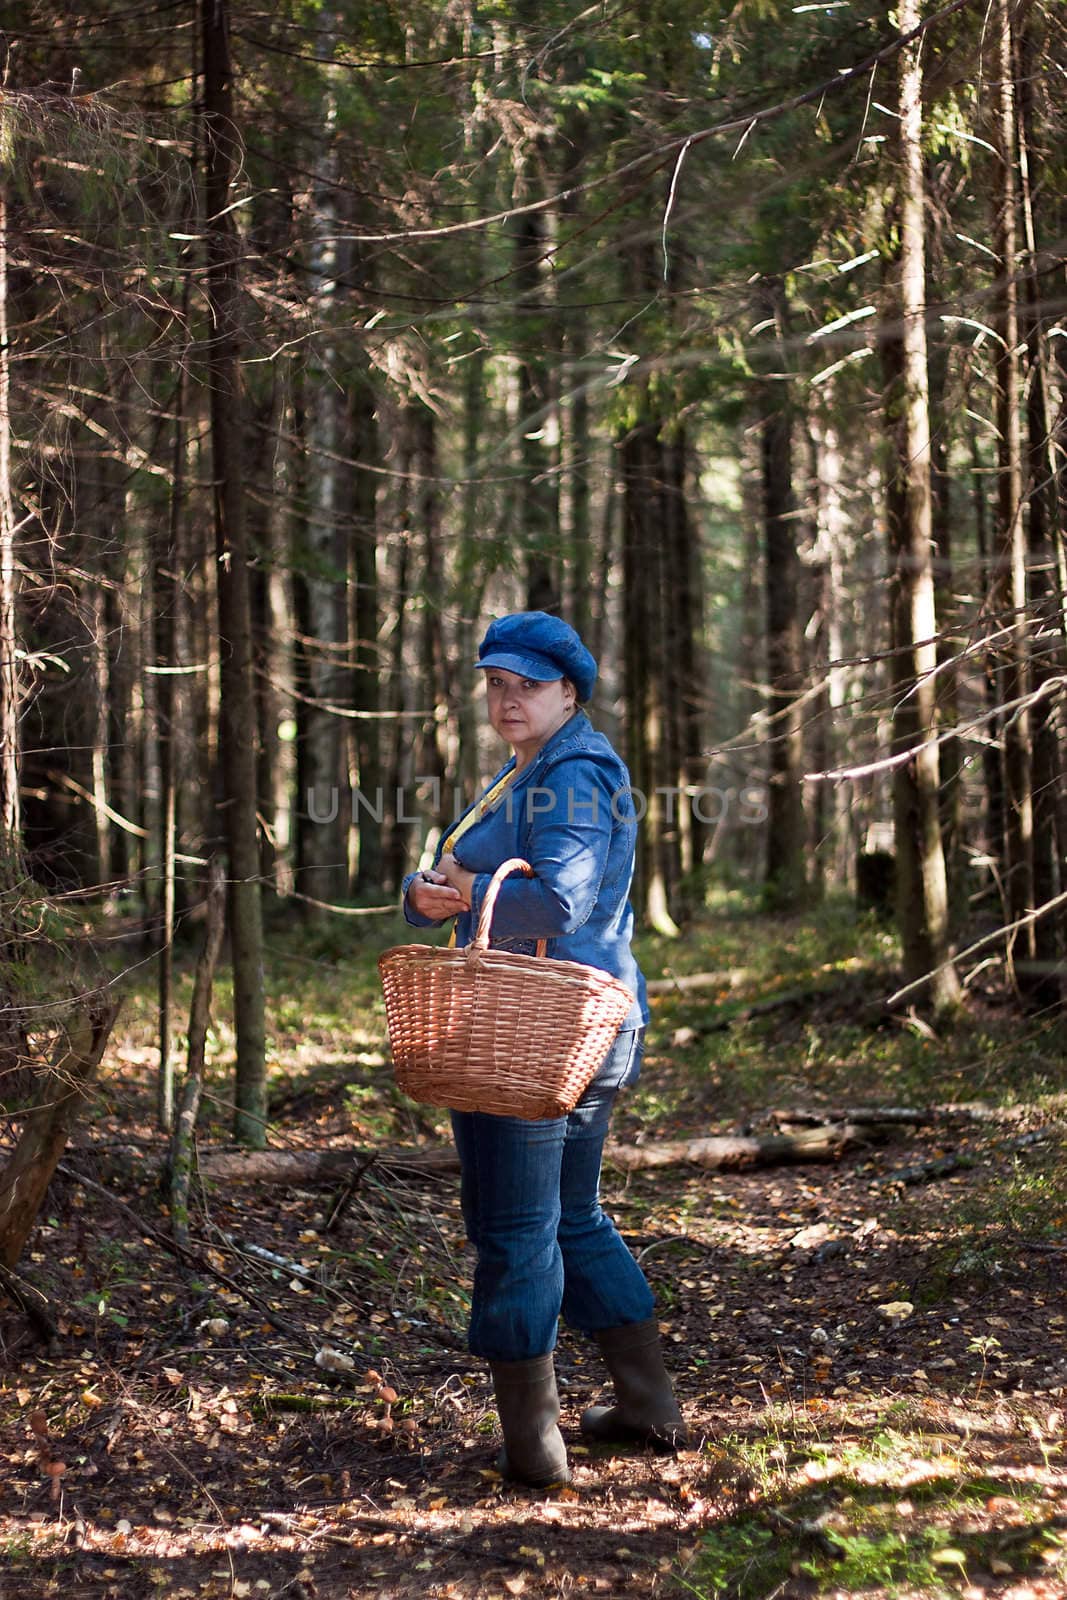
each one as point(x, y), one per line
point(796, 1116)
point(315, 1166)
point(824, 1143)
point(730, 1014)
point(961, 1160)
point(733, 978)
point(903, 1116)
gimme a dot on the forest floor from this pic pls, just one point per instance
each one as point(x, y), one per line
point(871, 1352)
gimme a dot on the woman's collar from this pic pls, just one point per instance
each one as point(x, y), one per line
point(573, 726)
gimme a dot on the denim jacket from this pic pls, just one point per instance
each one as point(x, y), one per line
point(570, 814)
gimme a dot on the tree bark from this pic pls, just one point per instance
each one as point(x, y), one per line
point(12, 1032)
point(434, 660)
point(922, 890)
point(1043, 984)
point(786, 874)
point(473, 575)
point(822, 1143)
point(60, 1095)
point(116, 777)
point(169, 653)
point(224, 155)
point(538, 505)
point(324, 859)
point(579, 444)
point(10, 809)
point(401, 760)
point(645, 676)
point(273, 628)
point(575, 412)
point(182, 1145)
point(950, 753)
point(166, 594)
point(365, 621)
point(99, 713)
point(992, 767)
point(686, 687)
point(838, 842)
point(539, 496)
point(1008, 596)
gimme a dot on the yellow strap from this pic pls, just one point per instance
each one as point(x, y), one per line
point(475, 814)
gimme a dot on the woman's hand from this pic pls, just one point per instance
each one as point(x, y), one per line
point(457, 876)
point(433, 896)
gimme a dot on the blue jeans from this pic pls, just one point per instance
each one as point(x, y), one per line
point(531, 1206)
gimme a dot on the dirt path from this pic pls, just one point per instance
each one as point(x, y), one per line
point(839, 1343)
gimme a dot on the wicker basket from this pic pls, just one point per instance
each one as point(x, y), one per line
point(487, 1030)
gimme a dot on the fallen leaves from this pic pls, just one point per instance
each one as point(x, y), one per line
point(378, 1467)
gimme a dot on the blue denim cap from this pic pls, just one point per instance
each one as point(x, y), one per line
point(539, 646)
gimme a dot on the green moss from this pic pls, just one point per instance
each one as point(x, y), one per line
point(895, 1536)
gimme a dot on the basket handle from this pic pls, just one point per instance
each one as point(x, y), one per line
point(480, 941)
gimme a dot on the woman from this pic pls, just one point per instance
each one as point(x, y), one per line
point(530, 1189)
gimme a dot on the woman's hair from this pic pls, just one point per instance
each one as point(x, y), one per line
point(571, 684)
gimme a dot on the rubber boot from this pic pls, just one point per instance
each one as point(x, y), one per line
point(528, 1406)
point(645, 1410)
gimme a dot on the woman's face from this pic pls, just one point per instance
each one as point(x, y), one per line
point(525, 711)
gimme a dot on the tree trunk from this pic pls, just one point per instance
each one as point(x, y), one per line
point(182, 1145)
point(12, 1037)
point(575, 415)
point(992, 768)
point(786, 868)
point(605, 559)
point(272, 632)
point(825, 1142)
point(365, 621)
point(1044, 985)
point(644, 666)
point(324, 859)
point(102, 735)
point(747, 710)
point(224, 158)
point(579, 443)
point(435, 669)
point(473, 574)
point(950, 756)
point(402, 765)
point(539, 493)
point(1008, 596)
point(10, 809)
point(922, 890)
point(685, 688)
point(60, 1095)
point(120, 645)
point(167, 660)
point(837, 840)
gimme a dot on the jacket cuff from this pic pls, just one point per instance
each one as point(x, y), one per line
point(415, 918)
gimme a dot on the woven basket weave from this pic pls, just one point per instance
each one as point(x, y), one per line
point(488, 1030)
